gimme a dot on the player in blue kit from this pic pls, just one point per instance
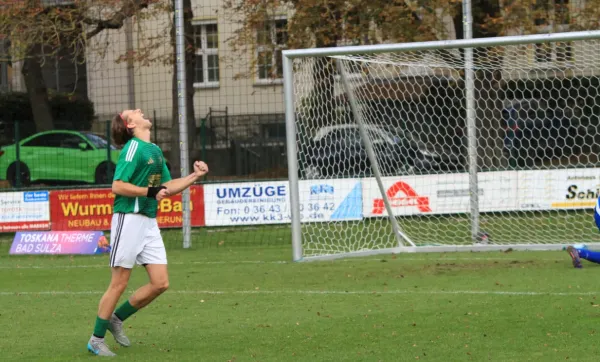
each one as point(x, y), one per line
point(580, 251)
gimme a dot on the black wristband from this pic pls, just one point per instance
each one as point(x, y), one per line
point(153, 191)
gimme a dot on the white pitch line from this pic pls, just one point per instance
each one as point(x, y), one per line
point(321, 292)
point(105, 265)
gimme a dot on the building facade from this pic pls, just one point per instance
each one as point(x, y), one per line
point(230, 86)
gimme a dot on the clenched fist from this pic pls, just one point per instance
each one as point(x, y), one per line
point(200, 168)
point(162, 194)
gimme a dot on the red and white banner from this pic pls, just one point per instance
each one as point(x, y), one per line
point(92, 209)
point(28, 210)
point(321, 200)
point(440, 194)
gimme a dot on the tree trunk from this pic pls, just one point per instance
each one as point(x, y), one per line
point(38, 93)
point(175, 153)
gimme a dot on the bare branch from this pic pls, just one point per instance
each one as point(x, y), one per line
point(128, 10)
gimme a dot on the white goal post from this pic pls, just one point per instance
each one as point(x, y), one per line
point(475, 144)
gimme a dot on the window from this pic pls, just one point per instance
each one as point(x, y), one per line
point(551, 12)
point(554, 52)
point(552, 16)
point(562, 13)
point(4, 65)
point(98, 142)
point(271, 41)
point(72, 141)
point(543, 53)
point(4, 82)
point(541, 10)
point(47, 140)
point(206, 41)
point(564, 52)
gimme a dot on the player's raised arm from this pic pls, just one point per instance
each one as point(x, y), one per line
point(177, 185)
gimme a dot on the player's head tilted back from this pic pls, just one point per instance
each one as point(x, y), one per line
point(128, 124)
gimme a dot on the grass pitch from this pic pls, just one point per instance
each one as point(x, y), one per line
point(250, 303)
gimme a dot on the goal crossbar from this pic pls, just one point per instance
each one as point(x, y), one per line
point(441, 44)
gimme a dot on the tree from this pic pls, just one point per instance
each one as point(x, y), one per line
point(318, 23)
point(324, 23)
point(39, 29)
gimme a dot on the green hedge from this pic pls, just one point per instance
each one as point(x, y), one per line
point(68, 112)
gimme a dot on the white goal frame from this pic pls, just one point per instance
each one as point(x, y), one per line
point(404, 244)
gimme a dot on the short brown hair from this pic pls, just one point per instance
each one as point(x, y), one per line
point(119, 131)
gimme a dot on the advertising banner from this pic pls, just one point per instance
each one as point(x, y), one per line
point(92, 209)
point(258, 203)
point(59, 242)
point(558, 189)
point(268, 202)
point(330, 200)
point(24, 211)
point(440, 194)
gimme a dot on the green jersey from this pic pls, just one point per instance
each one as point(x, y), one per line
point(141, 164)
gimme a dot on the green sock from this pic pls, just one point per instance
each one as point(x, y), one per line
point(100, 327)
point(125, 310)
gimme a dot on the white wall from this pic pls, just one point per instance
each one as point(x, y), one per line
point(108, 84)
point(107, 80)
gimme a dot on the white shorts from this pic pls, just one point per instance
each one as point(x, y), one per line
point(135, 238)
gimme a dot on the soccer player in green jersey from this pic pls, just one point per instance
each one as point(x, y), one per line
point(141, 180)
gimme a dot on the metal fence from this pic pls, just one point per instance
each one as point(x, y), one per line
point(238, 147)
point(233, 103)
point(55, 99)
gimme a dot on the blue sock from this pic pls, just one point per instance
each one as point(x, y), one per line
point(593, 256)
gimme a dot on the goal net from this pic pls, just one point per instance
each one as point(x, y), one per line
point(388, 158)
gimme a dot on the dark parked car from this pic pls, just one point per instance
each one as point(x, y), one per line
point(337, 151)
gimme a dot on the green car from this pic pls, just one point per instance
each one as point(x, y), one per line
point(60, 157)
